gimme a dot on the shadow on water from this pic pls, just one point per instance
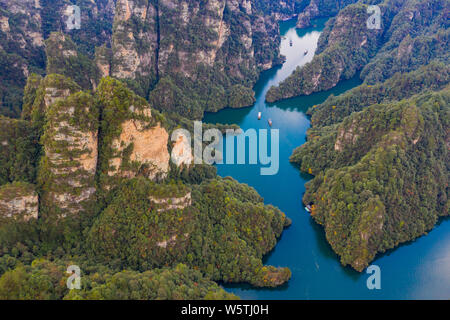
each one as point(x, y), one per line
point(389, 252)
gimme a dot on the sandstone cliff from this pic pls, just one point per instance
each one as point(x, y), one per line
point(18, 201)
point(21, 50)
point(186, 56)
point(70, 139)
point(132, 139)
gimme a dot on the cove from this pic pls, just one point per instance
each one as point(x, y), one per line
point(416, 270)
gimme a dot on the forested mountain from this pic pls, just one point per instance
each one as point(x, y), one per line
point(381, 175)
point(412, 34)
point(98, 186)
point(185, 56)
point(85, 142)
point(85, 173)
point(379, 152)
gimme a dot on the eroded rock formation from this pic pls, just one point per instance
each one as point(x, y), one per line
point(18, 201)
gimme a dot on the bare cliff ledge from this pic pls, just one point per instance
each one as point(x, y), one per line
point(70, 139)
point(18, 201)
point(133, 140)
point(159, 47)
point(165, 48)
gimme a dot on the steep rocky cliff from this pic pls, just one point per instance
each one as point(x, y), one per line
point(185, 56)
point(189, 56)
point(70, 141)
point(412, 34)
point(25, 24)
point(320, 9)
point(21, 50)
point(132, 139)
point(349, 46)
point(64, 57)
point(18, 201)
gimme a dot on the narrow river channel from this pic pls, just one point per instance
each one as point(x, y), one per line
point(417, 270)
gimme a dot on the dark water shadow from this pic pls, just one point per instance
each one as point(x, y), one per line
point(388, 252)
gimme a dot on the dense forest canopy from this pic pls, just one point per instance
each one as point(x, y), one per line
point(87, 115)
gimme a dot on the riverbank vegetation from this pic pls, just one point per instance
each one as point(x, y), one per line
point(381, 175)
point(412, 34)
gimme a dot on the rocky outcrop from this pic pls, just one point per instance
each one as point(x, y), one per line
point(18, 201)
point(30, 28)
point(70, 143)
point(346, 136)
point(320, 9)
point(410, 35)
point(52, 88)
point(65, 58)
point(103, 57)
point(134, 50)
point(148, 148)
point(173, 203)
point(173, 45)
point(181, 154)
point(133, 140)
point(310, 12)
point(21, 50)
point(345, 47)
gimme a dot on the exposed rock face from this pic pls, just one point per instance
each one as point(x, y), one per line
point(21, 49)
point(185, 42)
point(30, 28)
point(148, 147)
point(410, 36)
point(220, 43)
point(134, 142)
point(52, 88)
point(134, 52)
point(181, 151)
point(346, 136)
point(53, 94)
point(174, 203)
point(319, 9)
point(103, 56)
point(18, 201)
point(311, 12)
point(70, 145)
point(65, 58)
point(344, 47)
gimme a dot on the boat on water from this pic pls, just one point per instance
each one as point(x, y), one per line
point(308, 208)
point(259, 115)
point(270, 122)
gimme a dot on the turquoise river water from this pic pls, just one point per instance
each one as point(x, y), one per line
point(416, 270)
